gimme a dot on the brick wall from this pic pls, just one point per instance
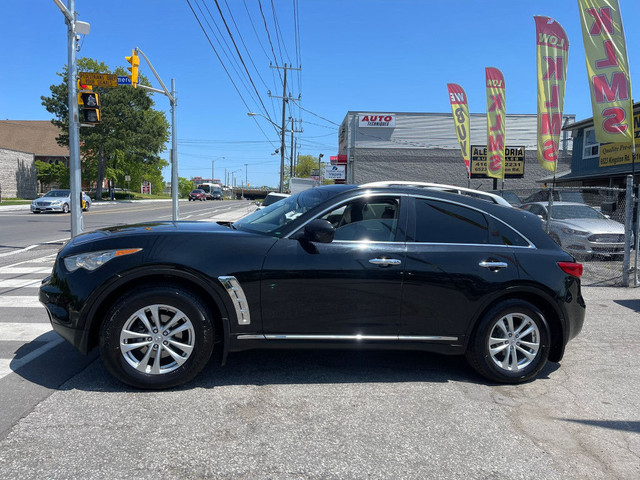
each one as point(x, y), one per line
point(18, 176)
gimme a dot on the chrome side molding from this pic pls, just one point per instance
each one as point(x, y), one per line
point(238, 298)
point(382, 338)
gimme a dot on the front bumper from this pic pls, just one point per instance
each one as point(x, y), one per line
point(46, 208)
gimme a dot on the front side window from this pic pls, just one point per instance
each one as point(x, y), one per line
point(373, 219)
point(442, 222)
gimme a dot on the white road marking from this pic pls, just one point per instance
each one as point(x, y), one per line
point(8, 365)
point(6, 254)
point(20, 283)
point(23, 270)
point(22, 332)
point(14, 301)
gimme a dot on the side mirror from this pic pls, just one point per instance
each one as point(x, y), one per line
point(319, 231)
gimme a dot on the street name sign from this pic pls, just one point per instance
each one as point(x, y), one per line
point(124, 80)
point(98, 79)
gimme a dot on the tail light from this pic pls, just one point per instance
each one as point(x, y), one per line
point(572, 268)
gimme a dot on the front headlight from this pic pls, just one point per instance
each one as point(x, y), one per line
point(93, 260)
point(571, 231)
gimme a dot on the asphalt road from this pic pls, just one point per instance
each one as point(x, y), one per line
point(20, 228)
point(325, 414)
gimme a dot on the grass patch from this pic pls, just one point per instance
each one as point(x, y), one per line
point(15, 201)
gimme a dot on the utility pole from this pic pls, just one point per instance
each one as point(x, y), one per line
point(246, 175)
point(285, 99)
point(75, 180)
point(291, 150)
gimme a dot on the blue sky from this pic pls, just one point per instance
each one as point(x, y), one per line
point(367, 55)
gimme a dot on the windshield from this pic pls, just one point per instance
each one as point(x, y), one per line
point(57, 193)
point(272, 219)
point(567, 212)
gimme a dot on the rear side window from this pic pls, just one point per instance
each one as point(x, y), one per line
point(441, 222)
point(502, 234)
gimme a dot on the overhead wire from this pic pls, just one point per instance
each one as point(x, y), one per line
point(227, 71)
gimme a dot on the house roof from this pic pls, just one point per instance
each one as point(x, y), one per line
point(31, 136)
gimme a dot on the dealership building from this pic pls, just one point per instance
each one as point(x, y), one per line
point(376, 146)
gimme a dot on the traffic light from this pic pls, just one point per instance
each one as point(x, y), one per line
point(135, 63)
point(91, 108)
point(82, 88)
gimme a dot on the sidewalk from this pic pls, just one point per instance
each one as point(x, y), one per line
point(5, 208)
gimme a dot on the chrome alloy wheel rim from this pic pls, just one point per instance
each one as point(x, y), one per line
point(514, 342)
point(157, 339)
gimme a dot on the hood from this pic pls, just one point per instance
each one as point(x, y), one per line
point(592, 225)
point(151, 229)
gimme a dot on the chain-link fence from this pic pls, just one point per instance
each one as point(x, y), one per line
point(595, 236)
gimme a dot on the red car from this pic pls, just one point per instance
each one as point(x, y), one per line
point(197, 194)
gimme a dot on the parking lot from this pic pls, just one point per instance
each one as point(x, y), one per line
point(336, 414)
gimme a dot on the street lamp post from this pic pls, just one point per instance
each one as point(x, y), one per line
point(320, 167)
point(212, 164)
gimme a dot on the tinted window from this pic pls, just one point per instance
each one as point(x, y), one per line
point(502, 234)
point(374, 219)
point(440, 222)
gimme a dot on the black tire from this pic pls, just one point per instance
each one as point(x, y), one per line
point(197, 335)
point(65, 208)
point(488, 363)
point(36, 211)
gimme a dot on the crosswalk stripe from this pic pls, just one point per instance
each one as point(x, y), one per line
point(15, 301)
point(21, 283)
point(22, 332)
point(8, 365)
point(23, 270)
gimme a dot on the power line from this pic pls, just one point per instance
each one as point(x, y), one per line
point(241, 59)
point(225, 69)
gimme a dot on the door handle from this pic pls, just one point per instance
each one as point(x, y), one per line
point(493, 265)
point(385, 262)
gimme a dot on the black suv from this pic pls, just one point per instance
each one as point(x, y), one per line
point(338, 266)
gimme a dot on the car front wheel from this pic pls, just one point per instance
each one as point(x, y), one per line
point(65, 208)
point(157, 337)
point(510, 343)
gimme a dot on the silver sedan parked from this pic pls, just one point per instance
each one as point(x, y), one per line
point(57, 201)
point(581, 230)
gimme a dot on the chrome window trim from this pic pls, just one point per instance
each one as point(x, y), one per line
point(368, 193)
point(238, 298)
point(402, 338)
point(365, 193)
point(483, 212)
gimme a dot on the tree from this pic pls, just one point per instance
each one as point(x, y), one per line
point(184, 187)
point(129, 139)
point(49, 173)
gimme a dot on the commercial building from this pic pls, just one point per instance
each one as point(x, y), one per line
point(600, 165)
point(423, 147)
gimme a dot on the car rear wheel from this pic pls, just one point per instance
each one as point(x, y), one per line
point(510, 343)
point(157, 338)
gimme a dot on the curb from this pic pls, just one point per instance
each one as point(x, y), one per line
point(5, 208)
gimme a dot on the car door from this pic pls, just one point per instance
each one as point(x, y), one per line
point(350, 288)
point(457, 257)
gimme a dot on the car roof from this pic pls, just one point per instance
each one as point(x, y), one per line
point(546, 203)
point(469, 192)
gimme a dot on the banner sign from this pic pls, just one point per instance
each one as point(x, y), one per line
point(608, 70)
point(377, 120)
point(334, 172)
point(513, 161)
point(496, 112)
point(612, 154)
point(552, 52)
point(460, 110)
